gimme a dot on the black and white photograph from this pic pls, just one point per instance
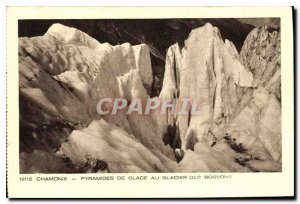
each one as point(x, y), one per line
point(150, 95)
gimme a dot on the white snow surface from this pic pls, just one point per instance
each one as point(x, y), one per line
point(64, 73)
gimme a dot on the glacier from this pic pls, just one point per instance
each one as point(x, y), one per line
point(64, 73)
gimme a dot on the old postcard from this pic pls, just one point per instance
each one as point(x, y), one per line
point(155, 102)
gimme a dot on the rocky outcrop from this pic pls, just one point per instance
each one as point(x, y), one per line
point(261, 54)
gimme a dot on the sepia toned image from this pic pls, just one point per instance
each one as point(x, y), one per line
point(150, 102)
point(174, 95)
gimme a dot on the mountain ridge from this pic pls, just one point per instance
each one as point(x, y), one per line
point(64, 73)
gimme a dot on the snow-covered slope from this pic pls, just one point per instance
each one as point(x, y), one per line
point(64, 74)
point(206, 70)
point(122, 152)
point(234, 109)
